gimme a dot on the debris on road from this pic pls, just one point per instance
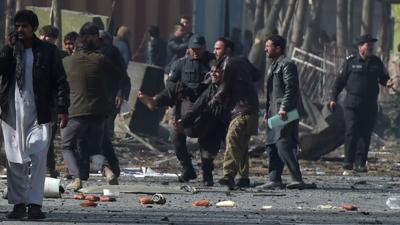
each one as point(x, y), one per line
point(227, 204)
point(135, 188)
point(88, 203)
point(349, 207)
point(159, 199)
point(105, 198)
point(393, 202)
point(203, 203)
point(79, 196)
point(144, 200)
point(325, 207)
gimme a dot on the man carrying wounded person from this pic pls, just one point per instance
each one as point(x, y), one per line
point(199, 120)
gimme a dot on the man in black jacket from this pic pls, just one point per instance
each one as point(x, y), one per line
point(240, 95)
point(32, 76)
point(282, 97)
point(360, 75)
point(201, 121)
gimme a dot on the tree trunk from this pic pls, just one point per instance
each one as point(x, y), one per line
point(288, 18)
point(2, 22)
point(383, 34)
point(367, 13)
point(313, 26)
point(267, 7)
point(341, 24)
point(350, 19)
point(18, 5)
point(56, 8)
point(259, 16)
point(298, 26)
point(273, 16)
point(10, 11)
point(251, 9)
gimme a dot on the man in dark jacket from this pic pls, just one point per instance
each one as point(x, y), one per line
point(360, 75)
point(32, 77)
point(201, 121)
point(119, 87)
point(176, 47)
point(88, 73)
point(282, 97)
point(240, 96)
point(156, 48)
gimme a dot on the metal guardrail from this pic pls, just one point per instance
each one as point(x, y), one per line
point(304, 57)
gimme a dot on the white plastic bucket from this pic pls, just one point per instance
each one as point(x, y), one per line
point(52, 188)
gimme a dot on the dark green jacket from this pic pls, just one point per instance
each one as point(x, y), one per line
point(88, 74)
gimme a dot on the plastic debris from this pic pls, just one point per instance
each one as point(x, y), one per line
point(328, 207)
point(228, 204)
point(158, 199)
point(393, 202)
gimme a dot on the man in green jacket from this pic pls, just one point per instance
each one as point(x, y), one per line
point(88, 73)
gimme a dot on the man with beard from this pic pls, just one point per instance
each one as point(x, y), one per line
point(360, 75)
point(240, 95)
point(33, 82)
point(282, 97)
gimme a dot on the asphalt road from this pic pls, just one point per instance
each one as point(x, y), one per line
point(368, 193)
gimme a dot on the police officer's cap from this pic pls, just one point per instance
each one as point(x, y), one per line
point(365, 38)
point(197, 41)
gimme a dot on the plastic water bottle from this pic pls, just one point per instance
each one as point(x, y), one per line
point(393, 202)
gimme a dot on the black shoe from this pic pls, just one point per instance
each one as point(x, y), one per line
point(54, 173)
point(348, 166)
point(208, 179)
point(188, 174)
point(243, 182)
point(227, 181)
point(361, 169)
point(296, 185)
point(35, 212)
point(208, 183)
point(271, 186)
point(18, 212)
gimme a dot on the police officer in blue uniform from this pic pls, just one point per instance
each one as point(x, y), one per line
point(191, 71)
point(360, 75)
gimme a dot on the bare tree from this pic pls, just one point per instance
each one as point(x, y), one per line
point(341, 24)
point(10, 11)
point(251, 8)
point(288, 18)
point(18, 5)
point(298, 25)
point(313, 25)
point(267, 9)
point(2, 22)
point(350, 19)
point(259, 16)
point(55, 18)
point(367, 13)
point(384, 30)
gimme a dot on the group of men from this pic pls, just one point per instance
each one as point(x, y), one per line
point(214, 96)
point(79, 90)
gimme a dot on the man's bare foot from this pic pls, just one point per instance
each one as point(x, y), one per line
point(147, 100)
